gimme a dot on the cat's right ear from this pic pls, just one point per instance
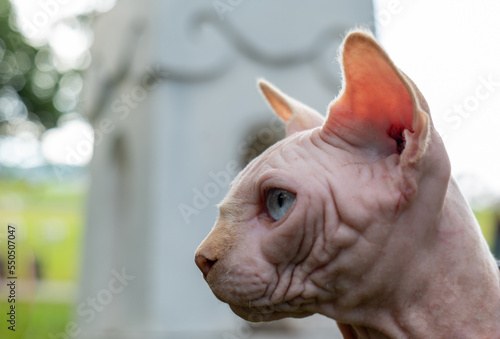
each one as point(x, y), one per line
point(296, 116)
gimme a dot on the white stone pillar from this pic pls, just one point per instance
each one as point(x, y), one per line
point(172, 96)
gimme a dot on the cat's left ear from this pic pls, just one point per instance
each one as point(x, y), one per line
point(380, 110)
point(296, 116)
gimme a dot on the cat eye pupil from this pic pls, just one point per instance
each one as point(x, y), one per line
point(279, 201)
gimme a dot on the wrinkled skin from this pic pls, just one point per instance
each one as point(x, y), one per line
point(378, 238)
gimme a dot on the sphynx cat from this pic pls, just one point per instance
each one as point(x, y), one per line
point(355, 217)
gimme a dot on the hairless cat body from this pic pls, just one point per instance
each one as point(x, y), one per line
point(355, 217)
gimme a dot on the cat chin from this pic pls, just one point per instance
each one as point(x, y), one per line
point(237, 297)
point(264, 314)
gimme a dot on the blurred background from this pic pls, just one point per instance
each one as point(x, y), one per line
point(121, 123)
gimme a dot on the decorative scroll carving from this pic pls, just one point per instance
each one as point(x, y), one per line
point(303, 55)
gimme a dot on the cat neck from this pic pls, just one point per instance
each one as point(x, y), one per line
point(450, 288)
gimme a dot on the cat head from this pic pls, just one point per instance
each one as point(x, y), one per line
point(306, 220)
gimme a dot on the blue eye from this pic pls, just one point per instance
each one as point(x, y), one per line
point(279, 202)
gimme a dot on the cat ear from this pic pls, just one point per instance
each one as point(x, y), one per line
point(296, 116)
point(379, 108)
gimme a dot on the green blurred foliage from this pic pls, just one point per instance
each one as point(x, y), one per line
point(487, 221)
point(28, 79)
point(49, 220)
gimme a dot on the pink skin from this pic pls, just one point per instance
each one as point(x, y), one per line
point(379, 237)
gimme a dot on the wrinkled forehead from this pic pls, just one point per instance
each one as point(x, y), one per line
point(278, 159)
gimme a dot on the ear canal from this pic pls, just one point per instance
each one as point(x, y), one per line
point(416, 142)
point(379, 108)
point(296, 116)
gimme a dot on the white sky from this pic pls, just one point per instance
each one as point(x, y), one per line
point(450, 48)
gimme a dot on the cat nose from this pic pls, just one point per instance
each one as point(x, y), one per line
point(204, 264)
